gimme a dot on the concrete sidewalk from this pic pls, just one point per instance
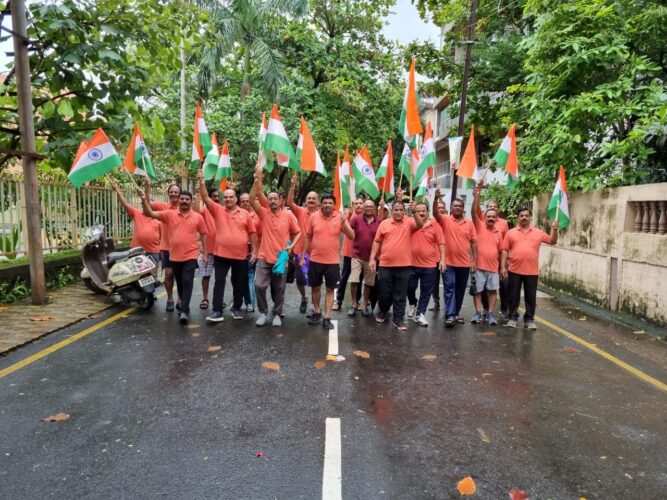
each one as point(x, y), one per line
point(66, 305)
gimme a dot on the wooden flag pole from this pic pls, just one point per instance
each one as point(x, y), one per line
point(131, 177)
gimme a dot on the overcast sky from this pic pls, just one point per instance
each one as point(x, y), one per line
point(404, 25)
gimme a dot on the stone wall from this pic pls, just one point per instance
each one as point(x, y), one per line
point(612, 254)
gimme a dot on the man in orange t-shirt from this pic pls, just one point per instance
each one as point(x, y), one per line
point(461, 241)
point(428, 256)
point(279, 227)
point(347, 258)
point(173, 192)
point(489, 239)
point(303, 215)
point(323, 245)
point(522, 246)
point(184, 226)
point(393, 243)
point(146, 233)
point(234, 227)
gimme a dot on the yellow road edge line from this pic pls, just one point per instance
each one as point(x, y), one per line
point(610, 357)
point(64, 343)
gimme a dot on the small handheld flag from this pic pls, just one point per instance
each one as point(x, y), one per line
point(307, 153)
point(201, 140)
point(468, 168)
point(137, 161)
point(558, 208)
point(212, 159)
point(277, 142)
point(364, 176)
point(507, 158)
point(93, 159)
point(224, 172)
point(410, 124)
point(385, 173)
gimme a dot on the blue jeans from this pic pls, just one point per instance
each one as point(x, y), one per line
point(455, 280)
point(427, 277)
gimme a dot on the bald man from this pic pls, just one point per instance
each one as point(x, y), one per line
point(234, 228)
point(303, 215)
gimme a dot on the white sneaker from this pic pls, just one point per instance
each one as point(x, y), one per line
point(421, 320)
point(411, 312)
point(276, 320)
point(261, 321)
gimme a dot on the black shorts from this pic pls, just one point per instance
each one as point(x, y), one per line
point(164, 257)
point(329, 273)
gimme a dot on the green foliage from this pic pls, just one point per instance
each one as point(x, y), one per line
point(509, 200)
point(583, 79)
point(90, 62)
point(11, 291)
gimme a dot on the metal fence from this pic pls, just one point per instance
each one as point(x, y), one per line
point(67, 213)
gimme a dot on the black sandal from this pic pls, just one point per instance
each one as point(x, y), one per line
point(203, 304)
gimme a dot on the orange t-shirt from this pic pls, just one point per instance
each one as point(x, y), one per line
point(458, 235)
point(210, 227)
point(303, 218)
point(347, 242)
point(258, 228)
point(425, 245)
point(159, 206)
point(396, 239)
point(325, 238)
point(502, 226)
point(233, 229)
point(277, 230)
point(488, 247)
point(524, 249)
point(184, 229)
point(146, 232)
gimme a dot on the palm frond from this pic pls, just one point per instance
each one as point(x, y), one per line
point(270, 65)
point(294, 8)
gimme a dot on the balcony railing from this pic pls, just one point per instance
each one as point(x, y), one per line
point(650, 217)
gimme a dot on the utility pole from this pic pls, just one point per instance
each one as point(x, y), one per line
point(464, 86)
point(28, 154)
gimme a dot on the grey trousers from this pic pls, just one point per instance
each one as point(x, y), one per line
point(265, 278)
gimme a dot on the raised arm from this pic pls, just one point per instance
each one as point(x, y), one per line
point(147, 187)
point(203, 192)
point(256, 189)
point(147, 206)
point(475, 212)
point(436, 199)
point(346, 228)
point(290, 195)
point(121, 198)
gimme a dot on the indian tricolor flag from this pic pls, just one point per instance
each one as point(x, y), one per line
point(507, 158)
point(558, 208)
point(404, 162)
point(201, 140)
point(385, 173)
point(337, 191)
point(468, 168)
point(306, 151)
point(415, 160)
point(277, 142)
point(261, 138)
point(224, 172)
point(364, 177)
point(427, 162)
point(410, 125)
point(137, 161)
point(93, 159)
point(423, 189)
point(212, 159)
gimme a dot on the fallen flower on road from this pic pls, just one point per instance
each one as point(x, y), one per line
point(214, 348)
point(571, 348)
point(58, 417)
point(319, 364)
point(259, 454)
point(428, 357)
point(192, 325)
point(362, 354)
point(483, 435)
point(489, 334)
point(270, 365)
point(466, 486)
point(517, 494)
point(41, 318)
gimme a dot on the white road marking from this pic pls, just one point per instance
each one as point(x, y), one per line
point(332, 476)
point(333, 339)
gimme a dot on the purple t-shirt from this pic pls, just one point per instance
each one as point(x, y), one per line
point(364, 235)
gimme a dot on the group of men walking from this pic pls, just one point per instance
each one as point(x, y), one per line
point(397, 254)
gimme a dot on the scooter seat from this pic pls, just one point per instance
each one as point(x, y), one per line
point(116, 256)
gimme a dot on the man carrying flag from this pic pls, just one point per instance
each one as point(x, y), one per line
point(519, 265)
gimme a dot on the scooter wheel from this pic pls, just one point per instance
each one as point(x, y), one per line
point(90, 285)
point(147, 301)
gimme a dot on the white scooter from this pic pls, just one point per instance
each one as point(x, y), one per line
point(130, 274)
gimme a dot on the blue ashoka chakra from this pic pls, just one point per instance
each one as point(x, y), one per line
point(95, 154)
point(367, 170)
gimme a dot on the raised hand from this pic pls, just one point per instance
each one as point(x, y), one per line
point(200, 174)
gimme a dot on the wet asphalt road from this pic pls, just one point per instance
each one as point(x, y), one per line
point(154, 414)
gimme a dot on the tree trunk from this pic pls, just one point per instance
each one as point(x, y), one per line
point(306, 187)
point(245, 86)
point(184, 145)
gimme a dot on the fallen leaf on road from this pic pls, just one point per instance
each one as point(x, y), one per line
point(362, 354)
point(583, 318)
point(571, 348)
point(638, 331)
point(214, 348)
point(192, 325)
point(319, 364)
point(466, 486)
point(41, 318)
point(517, 494)
point(259, 454)
point(195, 334)
point(270, 365)
point(428, 357)
point(489, 334)
point(483, 435)
point(487, 374)
point(280, 335)
point(58, 417)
